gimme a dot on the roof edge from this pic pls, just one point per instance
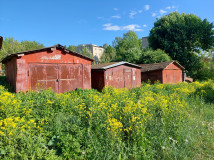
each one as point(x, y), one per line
point(177, 64)
point(117, 64)
point(58, 46)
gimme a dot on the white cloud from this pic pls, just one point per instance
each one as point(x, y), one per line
point(116, 9)
point(140, 11)
point(133, 27)
point(147, 7)
point(162, 11)
point(144, 25)
point(154, 14)
point(132, 14)
point(116, 16)
point(169, 7)
point(110, 27)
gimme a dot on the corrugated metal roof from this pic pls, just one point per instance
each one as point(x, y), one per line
point(157, 66)
point(58, 46)
point(105, 66)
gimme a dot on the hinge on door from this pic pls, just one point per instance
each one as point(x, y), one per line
point(28, 72)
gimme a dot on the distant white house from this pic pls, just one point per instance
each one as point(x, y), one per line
point(95, 50)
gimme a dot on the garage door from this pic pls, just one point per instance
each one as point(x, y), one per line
point(60, 77)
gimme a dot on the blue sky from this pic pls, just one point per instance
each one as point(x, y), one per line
point(96, 21)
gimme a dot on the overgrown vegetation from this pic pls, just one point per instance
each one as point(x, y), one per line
point(150, 122)
point(185, 38)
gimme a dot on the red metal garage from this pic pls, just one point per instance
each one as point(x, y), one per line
point(116, 74)
point(56, 67)
point(165, 72)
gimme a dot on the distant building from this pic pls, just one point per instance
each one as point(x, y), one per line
point(95, 50)
point(145, 42)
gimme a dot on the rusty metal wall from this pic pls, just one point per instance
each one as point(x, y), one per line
point(70, 77)
point(43, 76)
point(152, 76)
point(118, 77)
point(171, 74)
point(86, 76)
point(22, 76)
point(46, 68)
point(11, 72)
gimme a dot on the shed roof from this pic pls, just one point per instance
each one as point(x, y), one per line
point(58, 46)
point(105, 66)
point(158, 66)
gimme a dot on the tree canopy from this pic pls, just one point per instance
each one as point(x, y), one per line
point(182, 36)
point(153, 56)
point(10, 45)
point(127, 47)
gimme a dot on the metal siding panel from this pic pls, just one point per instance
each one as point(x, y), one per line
point(11, 72)
point(138, 78)
point(86, 76)
point(172, 76)
point(55, 57)
point(70, 77)
point(21, 79)
point(116, 77)
point(43, 76)
point(134, 78)
point(128, 78)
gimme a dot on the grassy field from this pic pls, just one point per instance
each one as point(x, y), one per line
point(150, 122)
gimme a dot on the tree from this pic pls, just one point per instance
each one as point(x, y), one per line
point(10, 45)
point(86, 53)
point(182, 36)
point(153, 56)
point(31, 45)
point(108, 55)
point(72, 48)
point(127, 47)
point(207, 70)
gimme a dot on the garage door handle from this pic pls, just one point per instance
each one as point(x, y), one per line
point(57, 80)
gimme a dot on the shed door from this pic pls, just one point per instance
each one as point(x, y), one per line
point(70, 77)
point(43, 76)
point(128, 78)
point(60, 77)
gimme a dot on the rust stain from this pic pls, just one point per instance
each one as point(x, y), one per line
point(118, 77)
point(42, 70)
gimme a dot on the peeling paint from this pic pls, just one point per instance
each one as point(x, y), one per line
point(55, 57)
